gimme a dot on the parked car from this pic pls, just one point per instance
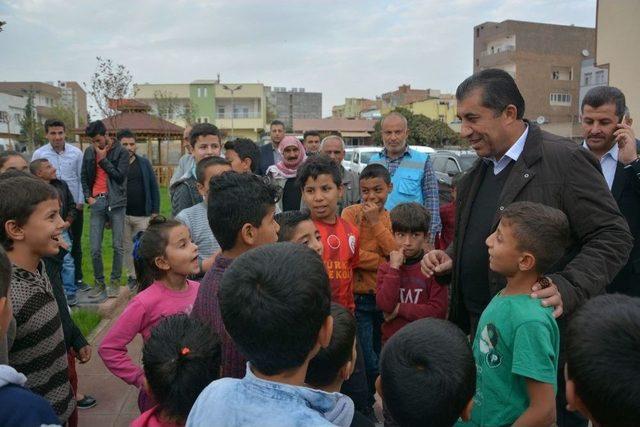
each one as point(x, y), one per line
point(361, 157)
point(446, 165)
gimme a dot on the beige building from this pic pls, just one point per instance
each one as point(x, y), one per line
point(545, 60)
point(617, 40)
point(237, 109)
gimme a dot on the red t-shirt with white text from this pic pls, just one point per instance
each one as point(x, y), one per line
point(341, 244)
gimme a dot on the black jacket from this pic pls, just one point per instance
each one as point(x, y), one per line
point(184, 194)
point(556, 172)
point(151, 191)
point(68, 210)
point(267, 158)
point(626, 192)
point(73, 338)
point(116, 165)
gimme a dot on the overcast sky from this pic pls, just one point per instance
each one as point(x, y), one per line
point(342, 49)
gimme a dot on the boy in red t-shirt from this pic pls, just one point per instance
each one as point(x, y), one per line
point(321, 186)
point(404, 294)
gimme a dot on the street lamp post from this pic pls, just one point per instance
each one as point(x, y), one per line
point(233, 106)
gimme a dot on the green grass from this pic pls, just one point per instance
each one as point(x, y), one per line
point(86, 320)
point(107, 251)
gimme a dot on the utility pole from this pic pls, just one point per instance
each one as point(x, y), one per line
point(233, 106)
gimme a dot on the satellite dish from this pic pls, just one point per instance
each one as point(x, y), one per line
point(585, 52)
point(541, 120)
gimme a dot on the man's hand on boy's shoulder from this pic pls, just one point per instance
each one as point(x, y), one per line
point(550, 296)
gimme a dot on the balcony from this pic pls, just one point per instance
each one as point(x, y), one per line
point(499, 49)
point(239, 115)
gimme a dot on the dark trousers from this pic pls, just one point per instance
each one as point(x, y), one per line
point(76, 247)
point(369, 320)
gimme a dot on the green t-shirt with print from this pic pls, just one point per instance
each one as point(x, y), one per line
point(517, 338)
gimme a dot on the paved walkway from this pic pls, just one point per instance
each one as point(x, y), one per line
point(117, 402)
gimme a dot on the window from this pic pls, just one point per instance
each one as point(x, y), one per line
point(555, 75)
point(477, 32)
point(451, 167)
point(557, 98)
point(588, 78)
point(221, 112)
point(439, 163)
point(600, 77)
point(202, 92)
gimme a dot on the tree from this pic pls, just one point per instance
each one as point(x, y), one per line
point(67, 116)
point(423, 131)
point(110, 84)
point(170, 107)
point(32, 131)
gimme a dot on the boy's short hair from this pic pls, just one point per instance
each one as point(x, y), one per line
point(603, 343)
point(125, 133)
point(539, 229)
point(53, 123)
point(325, 366)
point(5, 273)
point(245, 148)
point(35, 165)
point(410, 218)
point(273, 311)
point(204, 164)
point(239, 199)
point(202, 129)
point(376, 170)
point(318, 165)
point(20, 197)
point(95, 128)
point(288, 221)
point(180, 359)
point(428, 374)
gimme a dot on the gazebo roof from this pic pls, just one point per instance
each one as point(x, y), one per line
point(142, 124)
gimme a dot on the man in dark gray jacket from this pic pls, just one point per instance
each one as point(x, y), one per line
point(520, 162)
point(104, 183)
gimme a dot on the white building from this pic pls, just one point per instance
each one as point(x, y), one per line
point(11, 112)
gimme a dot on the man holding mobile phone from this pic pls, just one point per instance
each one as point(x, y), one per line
point(104, 183)
point(608, 135)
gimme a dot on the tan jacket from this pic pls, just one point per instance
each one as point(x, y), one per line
point(376, 242)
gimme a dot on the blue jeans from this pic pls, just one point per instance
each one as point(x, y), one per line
point(100, 214)
point(68, 269)
point(369, 320)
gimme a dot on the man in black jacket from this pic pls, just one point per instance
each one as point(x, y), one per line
point(143, 199)
point(269, 154)
point(43, 169)
point(520, 162)
point(608, 135)
point(104, 183)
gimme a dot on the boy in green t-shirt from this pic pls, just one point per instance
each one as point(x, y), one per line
point(517, 344)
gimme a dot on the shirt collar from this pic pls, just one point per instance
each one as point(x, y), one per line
point(613, 152)
point(406, 152)
point(516, 149)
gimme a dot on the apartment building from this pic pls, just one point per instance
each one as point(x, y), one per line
point(545, 61)
point(295, 103)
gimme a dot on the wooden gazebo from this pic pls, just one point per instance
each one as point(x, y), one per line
point(134, 115)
